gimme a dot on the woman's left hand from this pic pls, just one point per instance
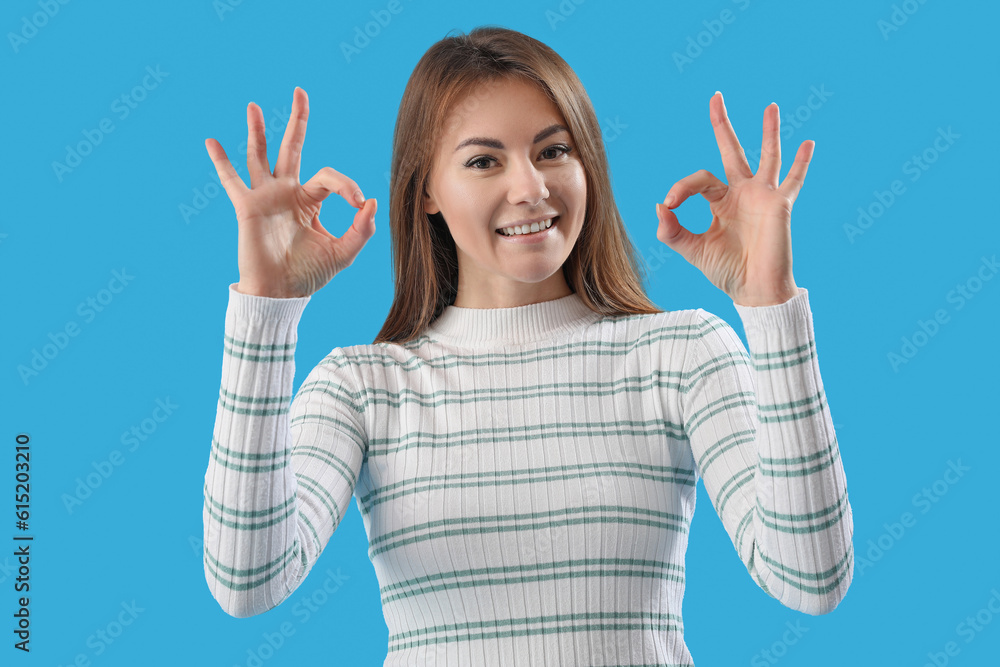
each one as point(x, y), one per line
point(747, 250)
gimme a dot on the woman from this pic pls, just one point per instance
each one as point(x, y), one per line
point(525, 435)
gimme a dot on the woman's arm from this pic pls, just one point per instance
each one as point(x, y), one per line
point(764, 443)
point(281, 471)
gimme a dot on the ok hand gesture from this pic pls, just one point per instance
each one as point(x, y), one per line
point(747, 250)
point(283, 250)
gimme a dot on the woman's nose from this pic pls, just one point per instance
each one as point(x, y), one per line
point(527, 184)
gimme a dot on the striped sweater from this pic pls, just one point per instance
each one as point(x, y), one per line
point(526, 476)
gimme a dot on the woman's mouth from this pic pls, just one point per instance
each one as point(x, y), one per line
point(528, 230)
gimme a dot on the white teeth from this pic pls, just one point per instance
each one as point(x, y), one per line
point(527, 229)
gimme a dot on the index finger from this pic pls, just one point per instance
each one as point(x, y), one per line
point(734, 160)
point(231, 181)
point(290, 153)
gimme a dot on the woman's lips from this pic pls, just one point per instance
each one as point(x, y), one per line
point(555, 220)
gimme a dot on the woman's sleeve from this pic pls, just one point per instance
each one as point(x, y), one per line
point(281, 471)
point(764, 444)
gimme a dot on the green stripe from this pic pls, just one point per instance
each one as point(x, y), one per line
point(316, 540)
point(254, 399)
point(533, 475)
point(262, 412)
point(333, 390)
point(724, 404)
point(247, 585)
point(745, 523)
point(248, 514)
point(518, 575)
point(713, 452)
point(734, 359)
point(811, 576)
point(608, 621)
point(629, 385)
point(812, 527)
point(366, 355)
point(236, 342)
point(806, 588)
point(780, 354)
point(782, 365)
point(323, 419)
point(773, 472)
point(805, 517)
point(738, 479)
point(840, 507)
point(278, 562)
point(801, 414)
point(804, 356)
point(249, 356)
point(808, 400)
point(249, 525)
point(520, 524)
point(656, 429)
point(329, 459)
point(799, 459)
point(322, 495)
point(239, 467)
point(236, 454)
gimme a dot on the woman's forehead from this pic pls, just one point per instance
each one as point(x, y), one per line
point(515, 108)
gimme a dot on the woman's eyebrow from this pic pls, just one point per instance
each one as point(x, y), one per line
point(489, 142)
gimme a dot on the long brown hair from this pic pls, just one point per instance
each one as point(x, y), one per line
point(603, 267)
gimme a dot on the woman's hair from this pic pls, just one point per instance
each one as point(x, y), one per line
point(602, 268)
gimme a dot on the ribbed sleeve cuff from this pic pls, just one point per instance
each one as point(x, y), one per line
point(263, 308)
point(792, 315)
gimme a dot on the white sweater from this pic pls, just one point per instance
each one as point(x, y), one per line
point(526, 476)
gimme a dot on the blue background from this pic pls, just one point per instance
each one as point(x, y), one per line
point(135, 539)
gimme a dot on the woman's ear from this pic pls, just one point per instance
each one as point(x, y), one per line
point(430, 206)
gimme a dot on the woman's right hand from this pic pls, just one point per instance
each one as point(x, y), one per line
point(284, 251)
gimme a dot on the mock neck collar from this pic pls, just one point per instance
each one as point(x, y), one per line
point(535, 322)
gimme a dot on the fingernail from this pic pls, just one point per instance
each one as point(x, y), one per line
point(668, 201)
point(358, 197)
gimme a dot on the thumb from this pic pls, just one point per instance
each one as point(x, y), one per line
point(672, 234)
point(362, 229)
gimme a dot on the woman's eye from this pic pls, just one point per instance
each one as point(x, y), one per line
point(485, 160)
point(479, 160)
point(563, 150)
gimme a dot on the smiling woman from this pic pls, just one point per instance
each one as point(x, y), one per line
point(495, 204)
point(525, 436)
point(495, 129)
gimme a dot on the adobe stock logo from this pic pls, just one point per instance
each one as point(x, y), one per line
point(898, 18)
point(106, 635)
point(915, 167)
point(122, 106)
point(105, 468)
point(700, 42)
point(924, 500)
point(372, 29)
point(562, 12)
point(967, 629)
point(30, 28)
point(961, 294)
point(779, 649)
point(88, 310)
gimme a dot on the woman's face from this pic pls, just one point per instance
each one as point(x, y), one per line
point(508, 159)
